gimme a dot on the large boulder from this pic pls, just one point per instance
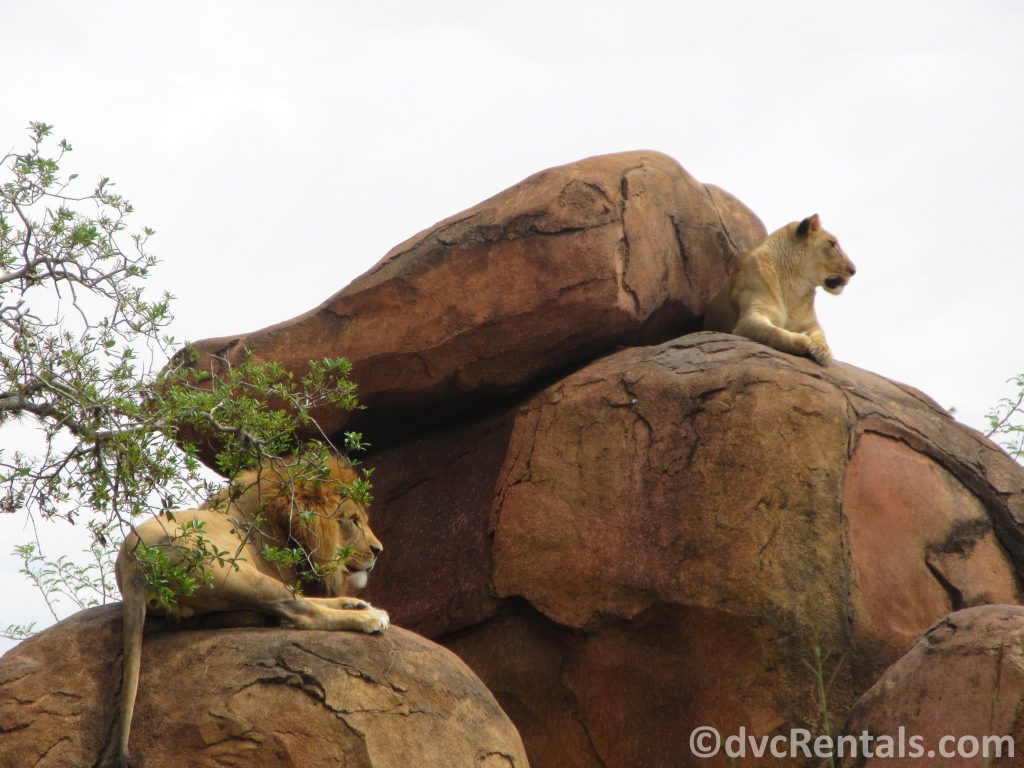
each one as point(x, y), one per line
point(665, 538)
point(623, 248)
point(250, 696)
point(953, 700)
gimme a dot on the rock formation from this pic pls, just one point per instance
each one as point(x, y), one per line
point(662, 539)
point(956, 694)
point(563, 266)
point(625, 535)
point(250, 696)
point(626, 528)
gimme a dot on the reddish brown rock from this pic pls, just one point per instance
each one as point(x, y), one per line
point(899, 500)
point(265, 696)
point(954, 699)
point(563, 266)
point(662, 539)
point(668, 536)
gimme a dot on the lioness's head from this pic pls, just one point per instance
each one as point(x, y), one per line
point(824, 261)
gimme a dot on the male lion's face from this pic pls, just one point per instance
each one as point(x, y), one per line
point(831, 267)
point(356, 533)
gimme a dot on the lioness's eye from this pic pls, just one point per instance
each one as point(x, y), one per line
point(833, 243)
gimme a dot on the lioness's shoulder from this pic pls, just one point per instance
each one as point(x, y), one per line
point(755, 270)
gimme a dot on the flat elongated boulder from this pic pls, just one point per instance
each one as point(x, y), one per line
point(569, 263)
point(667, 537)
point(250, 696)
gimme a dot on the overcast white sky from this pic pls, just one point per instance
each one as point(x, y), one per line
point(281, 149)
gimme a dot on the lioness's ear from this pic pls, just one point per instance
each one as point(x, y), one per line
point(808, 225)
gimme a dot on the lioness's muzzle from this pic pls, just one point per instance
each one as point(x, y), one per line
point(835, 282)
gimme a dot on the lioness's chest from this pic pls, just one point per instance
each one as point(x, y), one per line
point(797, 315)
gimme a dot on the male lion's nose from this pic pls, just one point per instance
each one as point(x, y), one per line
point(376, 549)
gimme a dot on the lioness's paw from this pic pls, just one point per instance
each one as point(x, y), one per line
point(377, 621)
point(821, 353)
point(355, 604)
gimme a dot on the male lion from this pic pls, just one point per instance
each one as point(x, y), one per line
point(769, 293)
point(313, 514)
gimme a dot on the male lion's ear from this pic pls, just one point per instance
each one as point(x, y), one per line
point(808, 225)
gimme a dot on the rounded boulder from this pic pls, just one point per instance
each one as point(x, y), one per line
point(275, 697)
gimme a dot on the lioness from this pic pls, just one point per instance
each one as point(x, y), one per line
point(769, 293)
point(312, 514)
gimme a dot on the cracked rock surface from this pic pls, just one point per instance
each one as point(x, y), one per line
point(964, 678)
point(250, 696)
point(661, 539)
point(565, 265)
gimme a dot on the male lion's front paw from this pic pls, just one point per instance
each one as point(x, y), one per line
point(820, 353)
point(355, 604)
point(377, 621)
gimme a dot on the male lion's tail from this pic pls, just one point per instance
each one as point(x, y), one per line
point(134, 604)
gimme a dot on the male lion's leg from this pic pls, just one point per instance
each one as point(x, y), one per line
point(252, 590)
point(306, 614)
point(346, 603)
